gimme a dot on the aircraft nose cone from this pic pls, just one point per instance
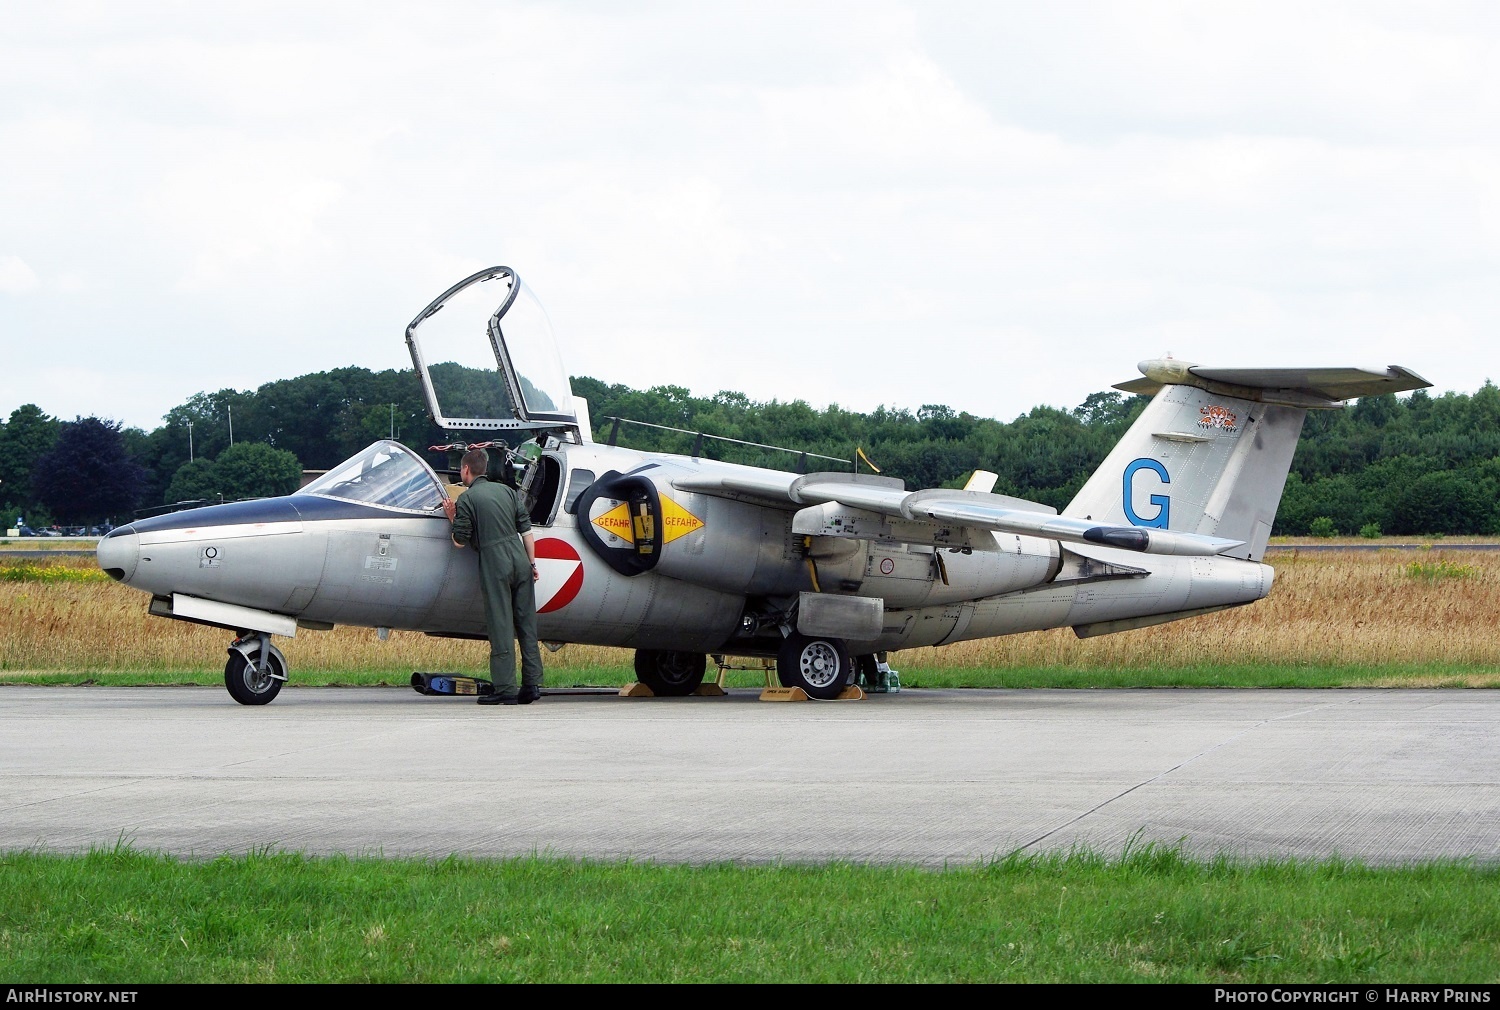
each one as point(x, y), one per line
point(119, 552)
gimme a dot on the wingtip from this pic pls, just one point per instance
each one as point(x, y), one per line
point(1405, 375)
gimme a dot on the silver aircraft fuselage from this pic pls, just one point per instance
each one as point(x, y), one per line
point(319, 561)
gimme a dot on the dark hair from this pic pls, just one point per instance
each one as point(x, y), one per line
point(478, 462)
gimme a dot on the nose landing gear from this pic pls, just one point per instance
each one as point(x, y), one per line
point(256, 669)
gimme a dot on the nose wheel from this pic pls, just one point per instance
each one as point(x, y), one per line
point(255, 671)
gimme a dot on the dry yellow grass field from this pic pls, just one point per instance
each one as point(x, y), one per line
point(1376, 609)
point(102, 626)
point(1331, 608)
point(49, 544)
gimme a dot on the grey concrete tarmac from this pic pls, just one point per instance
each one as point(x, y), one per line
point(927, 777)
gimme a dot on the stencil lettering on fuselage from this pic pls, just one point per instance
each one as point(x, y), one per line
point(616, 522)
point(677, 521)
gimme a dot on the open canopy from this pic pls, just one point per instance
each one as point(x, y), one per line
point(488, 359)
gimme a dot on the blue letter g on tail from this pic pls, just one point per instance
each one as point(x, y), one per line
point(1162, 502)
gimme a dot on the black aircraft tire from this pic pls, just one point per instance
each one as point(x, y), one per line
point(670, 674)
point(246, 684)
point(790, 679)
point(820, 666)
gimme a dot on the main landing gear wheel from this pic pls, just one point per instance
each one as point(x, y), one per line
point(670, 674)
point(247, 683)
point(820, 666)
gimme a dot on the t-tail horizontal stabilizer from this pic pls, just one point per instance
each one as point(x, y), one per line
point(1309, 388)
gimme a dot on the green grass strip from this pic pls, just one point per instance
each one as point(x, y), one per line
point(1153, 915)
point(1291, 675)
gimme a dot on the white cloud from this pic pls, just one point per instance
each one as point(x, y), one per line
point(986, 205)
point(16, 277)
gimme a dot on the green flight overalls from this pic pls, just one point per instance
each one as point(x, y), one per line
point(491, 519)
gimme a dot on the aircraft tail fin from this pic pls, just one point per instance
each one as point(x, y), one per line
point(1211, 451)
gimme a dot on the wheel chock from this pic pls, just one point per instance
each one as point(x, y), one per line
point(636, 689)
point(783, 694)
point(850, 693)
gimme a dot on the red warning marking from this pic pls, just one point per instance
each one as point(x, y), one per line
point(559, 574)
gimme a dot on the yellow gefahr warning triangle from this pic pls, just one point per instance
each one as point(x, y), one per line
point(617, 521)
point(676, 521)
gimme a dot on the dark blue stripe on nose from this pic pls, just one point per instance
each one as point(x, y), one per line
point(305, 507)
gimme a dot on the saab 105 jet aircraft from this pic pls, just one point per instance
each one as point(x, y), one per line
point(680, 556)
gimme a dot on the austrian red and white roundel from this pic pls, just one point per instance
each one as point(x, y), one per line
point(559, 572)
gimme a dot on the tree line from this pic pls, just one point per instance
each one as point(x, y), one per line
point(1394, 465)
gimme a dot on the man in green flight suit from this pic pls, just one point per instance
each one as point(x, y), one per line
point(490, 518)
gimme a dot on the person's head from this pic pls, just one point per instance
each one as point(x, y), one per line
point(476, 463)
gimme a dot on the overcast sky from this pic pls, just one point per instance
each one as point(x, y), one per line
point(988, 206)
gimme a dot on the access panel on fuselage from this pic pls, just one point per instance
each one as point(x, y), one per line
point(384, 572)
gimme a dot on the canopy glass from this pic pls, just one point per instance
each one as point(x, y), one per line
point(387, 474)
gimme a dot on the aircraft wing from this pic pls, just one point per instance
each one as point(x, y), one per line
point(880, 508)
point(770, 487)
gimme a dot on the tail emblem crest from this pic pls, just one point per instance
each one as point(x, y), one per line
point(1218, 417)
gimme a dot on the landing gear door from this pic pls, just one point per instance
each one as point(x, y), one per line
point(488, 360)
